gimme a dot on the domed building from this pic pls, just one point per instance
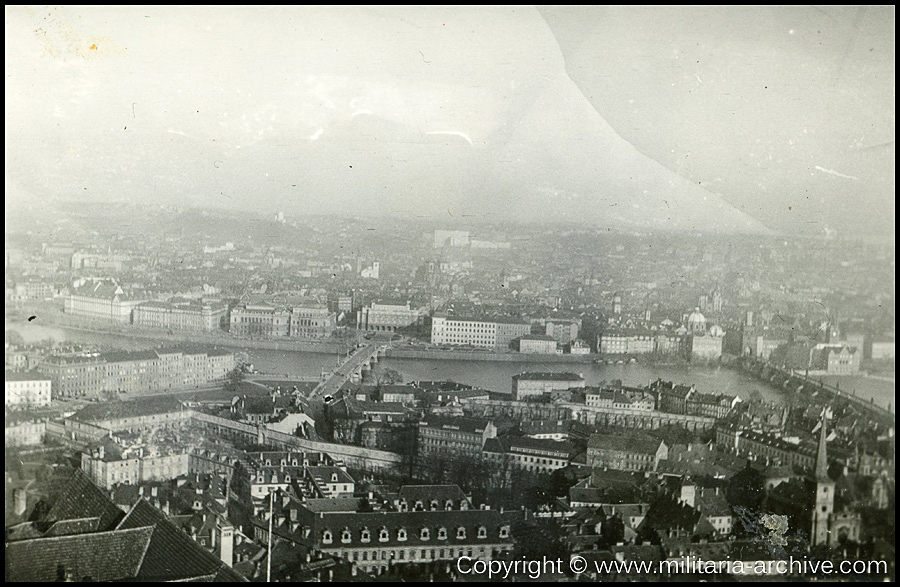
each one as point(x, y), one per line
point(696, 322)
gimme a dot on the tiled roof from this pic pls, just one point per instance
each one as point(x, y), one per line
point(102, 556)
point(624, 443)
point(128, 409)
point(72, 527)
point(77, 497)
point(325, 473)
point(25, 376)
point(171, 554)
point(427, 493)
point(464, 424)
point(332, 505)
point(540, 444)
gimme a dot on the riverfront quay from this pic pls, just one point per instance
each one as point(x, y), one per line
point(488, 370)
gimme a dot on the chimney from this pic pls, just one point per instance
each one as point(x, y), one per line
point(141, 490)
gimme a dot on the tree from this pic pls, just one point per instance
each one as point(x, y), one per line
point(390, 377)
point(14, 338)
point(233, 379)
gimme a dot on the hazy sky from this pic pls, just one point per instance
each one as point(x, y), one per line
point(684, 118)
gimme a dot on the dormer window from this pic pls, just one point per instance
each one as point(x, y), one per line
point(442, 534)
point(420, 507)
point(326, 537)
point(287, 478)
point(401, 535)
point(504, 531)
point(461, 533)
point(434, 505)
point(482, 532)
point(448, 505)
point(383, 535)
point(334, 478)
point(425, 534)
point(345, 536)
point(404, 506)
point(366, 536)
point(464, 505)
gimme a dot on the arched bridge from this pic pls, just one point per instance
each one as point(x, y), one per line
point(359, 360)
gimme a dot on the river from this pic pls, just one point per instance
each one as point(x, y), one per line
point(492, 375)
point(495, 376)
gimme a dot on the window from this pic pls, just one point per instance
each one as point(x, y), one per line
point(345, 536)
point(482, 532)
point(425, 534)
point(442, 534)
point(366, 536)
point(383, 535)
point(504, 531)
point(401, 534)
point(460, 533)
point(326, 537)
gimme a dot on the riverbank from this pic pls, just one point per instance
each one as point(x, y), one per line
point(879, 407)
point(445, 355)
point(181, 338)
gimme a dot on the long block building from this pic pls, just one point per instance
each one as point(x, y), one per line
point(102, 301)
point(453, 436)
point(479, 333)
point(135, 372)
point(27, 390)
point(375, 541)
point(527, 384)
point(282, 321)
point(386, 317)
point(194, 315)
point(260, 320)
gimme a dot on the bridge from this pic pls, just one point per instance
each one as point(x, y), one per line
point(358, 361)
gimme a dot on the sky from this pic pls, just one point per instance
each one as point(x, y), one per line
point(753, 119)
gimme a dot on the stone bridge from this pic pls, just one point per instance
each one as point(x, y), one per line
point(359, 360)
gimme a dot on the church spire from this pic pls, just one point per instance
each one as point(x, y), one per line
point(822, 454)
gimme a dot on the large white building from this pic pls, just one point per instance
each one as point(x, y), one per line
point(194, 315)
point(386, 317)
point(451, 238)
point(27, 390)
point(480, 333)
point(102, 301)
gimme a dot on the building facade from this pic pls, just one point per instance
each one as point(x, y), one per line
point(479, 333)
point(134, 372)
point(101, 301)
point(312, 322)
point(530, 384)
point(625, 453)
point(260, 321)
point(538, 344)
point(27, 390)
point(440, 436)
point(386, 317)
point(191, 315)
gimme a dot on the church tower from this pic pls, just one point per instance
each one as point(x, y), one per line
point(824, 490)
